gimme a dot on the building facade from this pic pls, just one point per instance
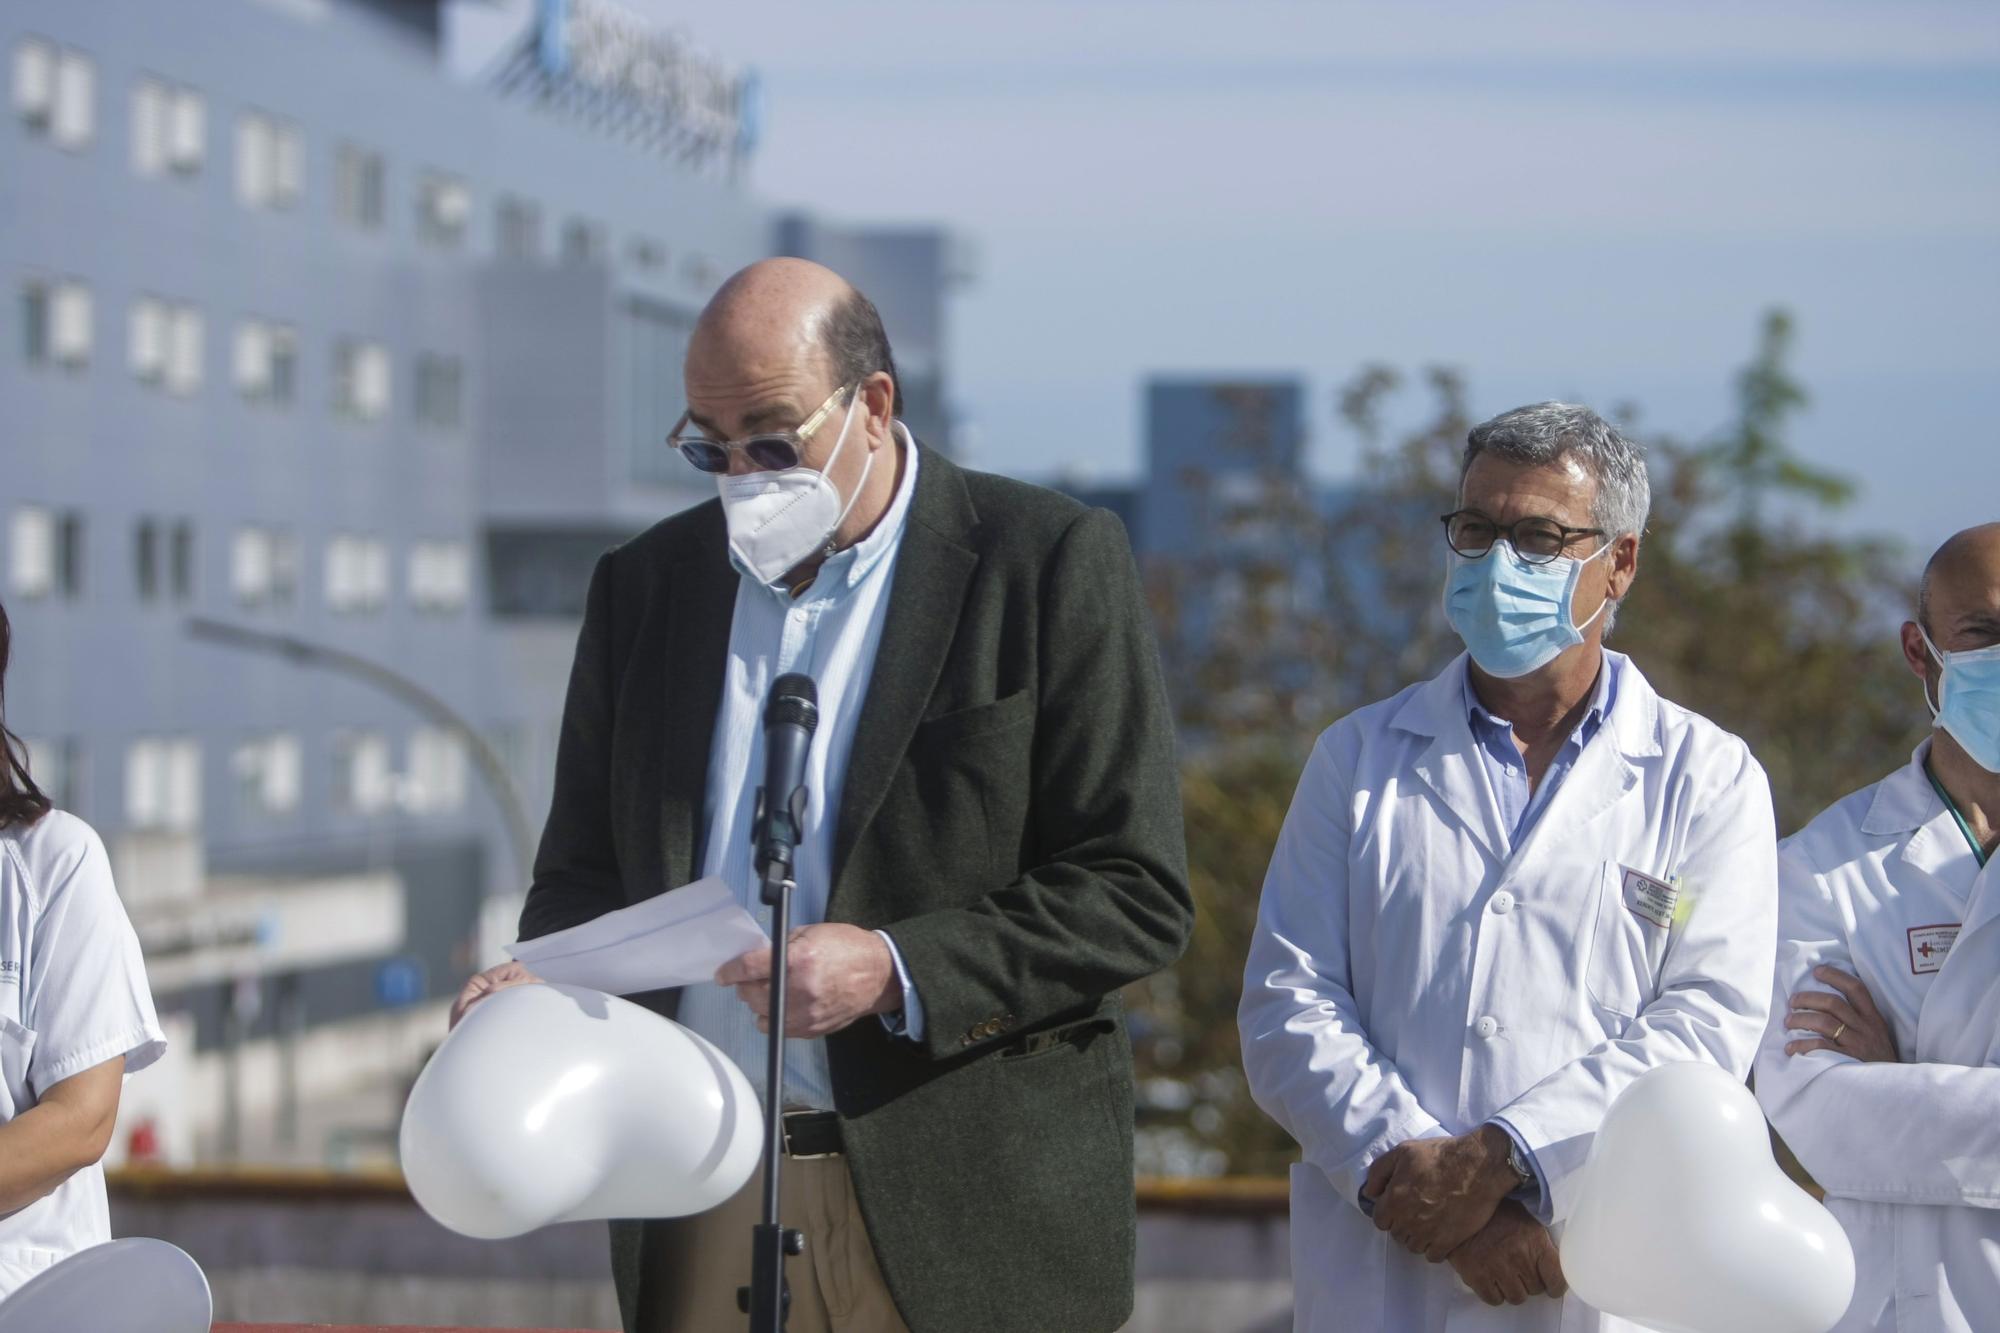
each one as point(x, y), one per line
point(358, 357)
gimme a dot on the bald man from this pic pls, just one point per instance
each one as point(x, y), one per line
point(993, 846)
point(1881, 1068)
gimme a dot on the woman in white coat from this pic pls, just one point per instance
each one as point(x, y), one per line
point(1499, 898)
point(1881, 1069)
point(75, 1018)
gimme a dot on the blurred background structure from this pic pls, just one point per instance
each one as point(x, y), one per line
point(345, 334)
point(324, 346)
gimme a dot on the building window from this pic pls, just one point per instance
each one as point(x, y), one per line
point(646, 253)
point(360, 380)
point(180, 561)
point(147, 339)
point(45, 552)
point(169, 128)
point(520, 228)
point(269, 772)
point(582, 241)
point(363, 783)
point(435, 782)
point(440, 391)
point(55, 91)
point(184, 339)
point(267, 362)
point(163, 784)
point(166, 344)
point(56, 766)
point(163, 560)
point(444, 206)
point(146, 559)
point(655, 335)
point(263, 567)
point(35, 83)
point(358, 187)
point(357, 574)
point(31, 551)
point(440, 576)
point(701, 272)
point(270, 161)
point(56, 323)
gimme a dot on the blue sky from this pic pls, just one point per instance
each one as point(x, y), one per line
point(1565, 199)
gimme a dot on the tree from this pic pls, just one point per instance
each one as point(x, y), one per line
point(1749, 608)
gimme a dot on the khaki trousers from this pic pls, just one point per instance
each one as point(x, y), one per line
point(692, 1266)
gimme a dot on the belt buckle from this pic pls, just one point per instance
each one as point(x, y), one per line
point(785, 1123)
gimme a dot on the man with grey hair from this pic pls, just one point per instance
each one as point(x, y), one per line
point(1500, 896)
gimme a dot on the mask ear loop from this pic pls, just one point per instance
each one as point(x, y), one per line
point(1607, 600)
point(1937, 709)
point(846, 422)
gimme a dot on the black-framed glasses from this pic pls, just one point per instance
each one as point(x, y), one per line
point(1536, 540)
point(773, 451)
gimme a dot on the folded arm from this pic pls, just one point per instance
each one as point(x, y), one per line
point(1882, 1131)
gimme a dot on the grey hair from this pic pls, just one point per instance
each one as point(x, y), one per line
point(1542, 434)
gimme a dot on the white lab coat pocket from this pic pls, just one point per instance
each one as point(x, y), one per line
point(17, 1048)
point(1626, 949)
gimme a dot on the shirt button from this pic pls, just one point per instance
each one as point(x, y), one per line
point(1503, 902)
point(1487, 1027)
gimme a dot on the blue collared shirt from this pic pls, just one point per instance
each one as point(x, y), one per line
point(1506, 770)
point(831, 632)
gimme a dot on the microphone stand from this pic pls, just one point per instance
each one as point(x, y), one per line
point(768, 1298)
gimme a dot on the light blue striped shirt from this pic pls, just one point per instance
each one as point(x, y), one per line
point(831, 633)
point(1506, 771)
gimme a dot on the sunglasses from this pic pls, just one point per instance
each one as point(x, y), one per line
point(771, 452)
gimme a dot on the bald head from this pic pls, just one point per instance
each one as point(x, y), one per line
point(775, 341)
point(1959, 601)
point(775, 308)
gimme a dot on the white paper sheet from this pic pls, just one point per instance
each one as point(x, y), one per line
point(675, 939)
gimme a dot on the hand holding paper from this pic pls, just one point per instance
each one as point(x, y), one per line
point(675, 939)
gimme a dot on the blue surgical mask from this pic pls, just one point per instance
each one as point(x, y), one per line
point(1514, 616)
point(1968, 702)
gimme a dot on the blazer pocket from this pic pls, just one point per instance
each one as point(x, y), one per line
point(961, 724)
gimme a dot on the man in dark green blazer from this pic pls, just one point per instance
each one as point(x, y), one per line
point(1005, 855)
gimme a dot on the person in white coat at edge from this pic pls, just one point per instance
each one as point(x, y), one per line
point(1499, 897)
point(75, 1017)
point(1881, 1068)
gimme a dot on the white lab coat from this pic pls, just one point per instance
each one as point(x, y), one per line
point(1409, 978)
point(73, 995)
point(1909, 1153)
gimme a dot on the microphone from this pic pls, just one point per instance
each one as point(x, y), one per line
point(790, 718)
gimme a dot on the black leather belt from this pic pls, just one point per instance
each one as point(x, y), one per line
point(811, 1133)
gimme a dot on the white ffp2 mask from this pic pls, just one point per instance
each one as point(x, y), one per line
point(779, 519)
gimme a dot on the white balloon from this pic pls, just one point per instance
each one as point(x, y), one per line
point(557, 1104)
point(136, 1285)
point(1684, 1222)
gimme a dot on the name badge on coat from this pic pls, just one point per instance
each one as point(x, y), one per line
point(1929, 945)
point(1650, 899)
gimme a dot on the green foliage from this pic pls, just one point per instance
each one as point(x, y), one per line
point(1749, 608)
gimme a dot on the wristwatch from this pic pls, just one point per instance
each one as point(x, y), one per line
point(1517, 1162)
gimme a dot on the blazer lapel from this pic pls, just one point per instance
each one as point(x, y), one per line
point(701, 606)
point(933, 569)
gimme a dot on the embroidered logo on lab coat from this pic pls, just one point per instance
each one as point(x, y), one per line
point(1929, 945)
point(10, 973)
point(1650, 898)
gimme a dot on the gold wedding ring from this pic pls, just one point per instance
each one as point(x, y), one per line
point(1837, 1031)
